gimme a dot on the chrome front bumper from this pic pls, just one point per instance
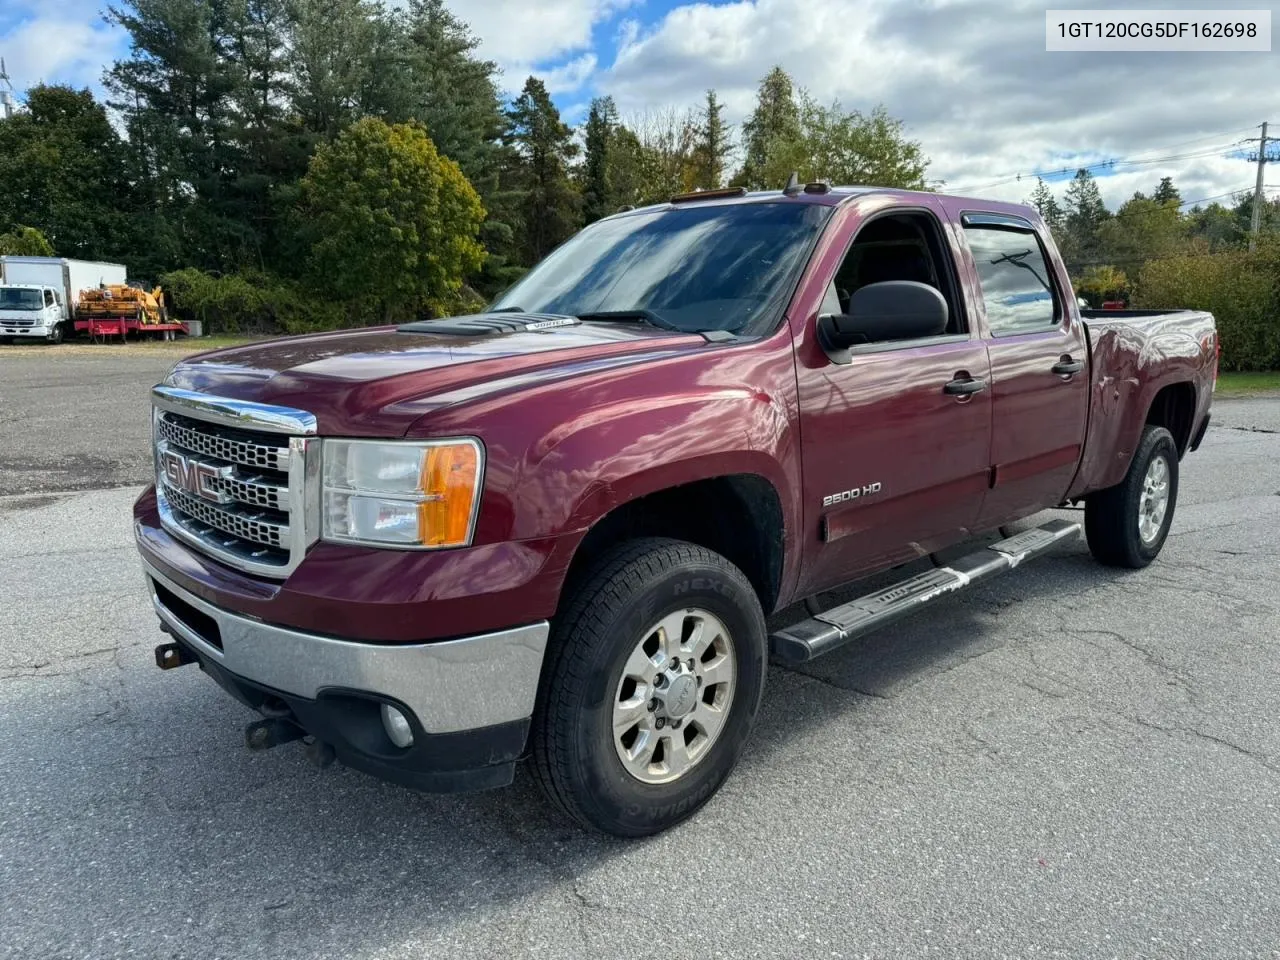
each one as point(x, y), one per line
point(451, 686)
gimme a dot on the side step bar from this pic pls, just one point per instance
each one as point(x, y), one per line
point(825, 632)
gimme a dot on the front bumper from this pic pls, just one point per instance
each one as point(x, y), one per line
point(31, 333)
point(469, 700)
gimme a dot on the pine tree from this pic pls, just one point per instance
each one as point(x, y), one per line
point(772, 129)
point(544, 147)
point(1047, 205)
point(711, 152)
point(1085, 214)
point(1167, 193)
point(455, 93)
point(597, 180)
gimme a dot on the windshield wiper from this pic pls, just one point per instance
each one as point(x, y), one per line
point(634, 316)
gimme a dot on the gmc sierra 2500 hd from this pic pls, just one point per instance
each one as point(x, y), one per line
point(554, 529)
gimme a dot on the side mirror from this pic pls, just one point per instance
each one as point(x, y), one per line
point(879, 312)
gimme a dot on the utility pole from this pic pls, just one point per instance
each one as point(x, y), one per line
point(6, 93)
point(1256, 226)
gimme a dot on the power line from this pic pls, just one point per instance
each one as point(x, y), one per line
point(1110, 164)
point(1139, 160)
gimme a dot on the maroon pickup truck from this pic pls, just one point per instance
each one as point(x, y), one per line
point(554, 530)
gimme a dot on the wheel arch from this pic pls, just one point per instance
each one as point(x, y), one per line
point(738, 515)
point(1174, 408)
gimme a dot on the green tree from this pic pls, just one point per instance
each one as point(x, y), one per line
point(712, 146)
point(1102, 282)
point(1142, 229)
point(850, 147)
point(62, 170)
point(394, 223)
point(1047, 206)
point(770, 134)
point(668, 141)
point(1085, 214)
point(1167, 193)
point(597, 183)
point(1216, 227)
point(25, 242)
point(635, 171)
point(454, 92)
point(341, 52)
point(544, 147)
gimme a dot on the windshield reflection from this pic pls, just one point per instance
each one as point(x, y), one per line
point(723, 267)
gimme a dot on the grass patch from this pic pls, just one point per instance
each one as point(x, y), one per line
point(1248, 384)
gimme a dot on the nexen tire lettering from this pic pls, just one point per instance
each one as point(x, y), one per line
point(846, 495)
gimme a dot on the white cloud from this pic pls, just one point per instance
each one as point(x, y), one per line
point(570, 76)
point(523, 35)
point(59, 50)
point(973, 82)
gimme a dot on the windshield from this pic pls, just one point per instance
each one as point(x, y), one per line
point(723, 267)
point(18, 298)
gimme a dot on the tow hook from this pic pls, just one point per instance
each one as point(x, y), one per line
point(271, 732)
point(172, 655)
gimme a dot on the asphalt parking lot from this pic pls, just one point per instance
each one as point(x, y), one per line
point(1065, 762)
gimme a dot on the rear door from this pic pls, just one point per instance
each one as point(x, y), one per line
point(895, 466)
point(1039, 366)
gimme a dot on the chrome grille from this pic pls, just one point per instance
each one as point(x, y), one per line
point(264, 527)
point(256, 490)
point(237, 480)
point(228, 445)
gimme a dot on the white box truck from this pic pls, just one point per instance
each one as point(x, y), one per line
point(39, 295)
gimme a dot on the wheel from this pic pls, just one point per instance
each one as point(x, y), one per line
point(655, 673)
point(1126, 525)
point(56, 336)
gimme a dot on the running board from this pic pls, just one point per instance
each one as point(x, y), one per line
point(825, 632)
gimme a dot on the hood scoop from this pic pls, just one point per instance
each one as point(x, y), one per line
point(490, 324)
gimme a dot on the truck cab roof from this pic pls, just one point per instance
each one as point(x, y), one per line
point(817, 193)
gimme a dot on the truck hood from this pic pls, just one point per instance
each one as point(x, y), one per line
point(378, 381)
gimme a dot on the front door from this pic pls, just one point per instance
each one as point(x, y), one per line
point(1039, 369)
point(895, 460)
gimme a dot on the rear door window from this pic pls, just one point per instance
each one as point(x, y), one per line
point(1013, 273)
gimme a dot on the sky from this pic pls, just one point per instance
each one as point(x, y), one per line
point(970, 78)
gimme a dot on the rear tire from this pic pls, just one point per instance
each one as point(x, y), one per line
point(1127, 525)
point(620, 687)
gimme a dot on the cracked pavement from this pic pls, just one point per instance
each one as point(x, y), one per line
point(1066, 761)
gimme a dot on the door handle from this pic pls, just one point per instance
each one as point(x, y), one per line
point(961, 387)
point(1067, 367)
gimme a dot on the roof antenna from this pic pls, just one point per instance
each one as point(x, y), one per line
point(793, 185)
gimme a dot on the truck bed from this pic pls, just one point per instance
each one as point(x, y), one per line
point(1135, 355)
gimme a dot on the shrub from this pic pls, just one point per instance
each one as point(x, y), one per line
point(1240, 288)
point(251, 303)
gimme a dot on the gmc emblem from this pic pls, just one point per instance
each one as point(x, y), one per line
point(194, 476)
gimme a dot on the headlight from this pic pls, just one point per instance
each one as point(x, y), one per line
point(401, 493)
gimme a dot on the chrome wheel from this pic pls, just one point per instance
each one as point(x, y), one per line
point(674, 696)
point(1154, 502)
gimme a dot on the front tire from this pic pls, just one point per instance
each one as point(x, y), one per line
point(1127, 525)
point(656, 669)
point(55, 337)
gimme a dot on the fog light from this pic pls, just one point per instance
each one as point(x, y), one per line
point(397, 726)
